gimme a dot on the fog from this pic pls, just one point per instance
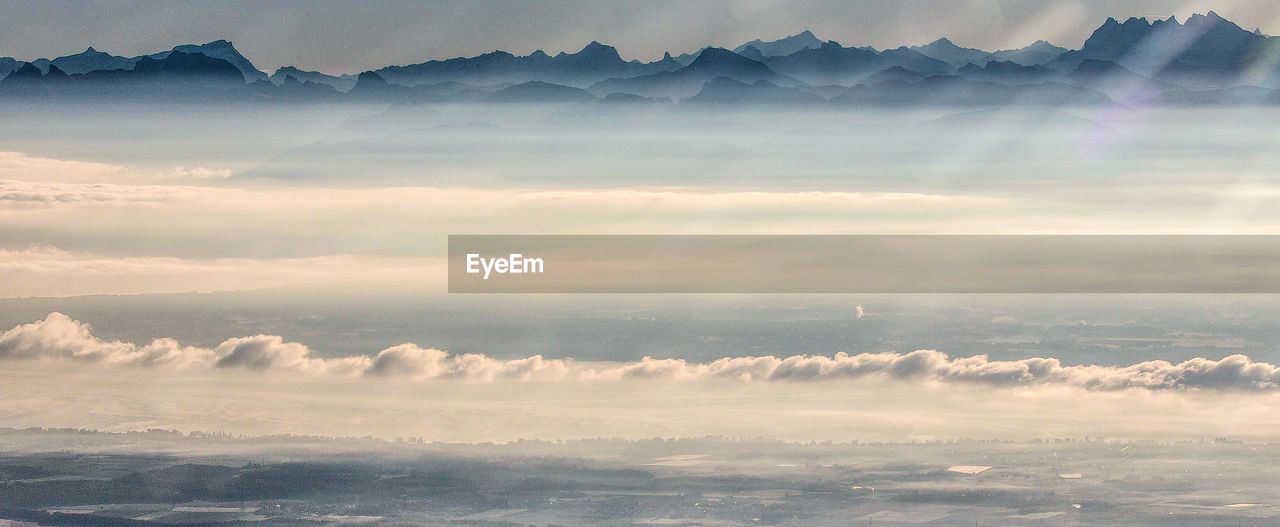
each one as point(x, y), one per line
point(331, 221)
point(286, 195)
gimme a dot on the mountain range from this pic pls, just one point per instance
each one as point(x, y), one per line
point(1204, 46)
point(1204, 60)
point(1039, 52)
point(94, 60)
point(781, 47)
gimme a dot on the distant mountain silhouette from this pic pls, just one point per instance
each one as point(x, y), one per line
point(26, 73)
point(541, 92)
point(91, 60)
point(829, 63)
point(945, 50)
point(1204, 60)
point(446, 89)
point(1096, 67)
point(371, 85)
point(685, 59)
point(631, 99)
point(1008, 72)
point(176, 70)
point(291, 88)
point(723, 90)
point(750, 52)
point(590, 60)
point(29, 81)
point(218, 49)
point(894, 73)
point(591, 64)
point(782, 46)
point(719, 60)
point(914, 61)
point(188, 66)
point(688, 81)
point(86, 61)
point(181, 75)
point(341, 82)
point(835, 64)
point(1039, 52)
point(9, 65)
point(1116, 81)
point(1205, 48)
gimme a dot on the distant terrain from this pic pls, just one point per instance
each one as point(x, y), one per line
point(165, 478)
point(1204, 60)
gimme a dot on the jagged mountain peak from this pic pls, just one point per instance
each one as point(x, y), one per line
point(26, 70)
point(751, 52)
point(945, 50)
point(1205, 42)
point(721, 56)
point(220, 49)
point(1211, 19)
point(783, 46)
point(1099, 66)
point(593, 54)
point(370, 78)
point(594, 49)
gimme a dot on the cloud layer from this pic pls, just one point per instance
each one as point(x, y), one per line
point(47, 271)
point(61, 338)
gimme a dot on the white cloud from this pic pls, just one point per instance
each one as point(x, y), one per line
point(457, 200)
point(21, 166)
point(199, 173)
point(16, 165)
point(16, 193)
point(59, 337)
point(272, 353)
point(411, 361)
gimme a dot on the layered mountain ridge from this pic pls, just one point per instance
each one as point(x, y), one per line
point(1204, 60)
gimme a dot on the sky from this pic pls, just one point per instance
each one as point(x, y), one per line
point(349, 37)
point(123, 201)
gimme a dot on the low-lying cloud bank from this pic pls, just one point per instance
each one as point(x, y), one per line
point(59, 337)
point(48, 271)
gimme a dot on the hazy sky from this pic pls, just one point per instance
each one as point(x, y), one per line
point(345, 37)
